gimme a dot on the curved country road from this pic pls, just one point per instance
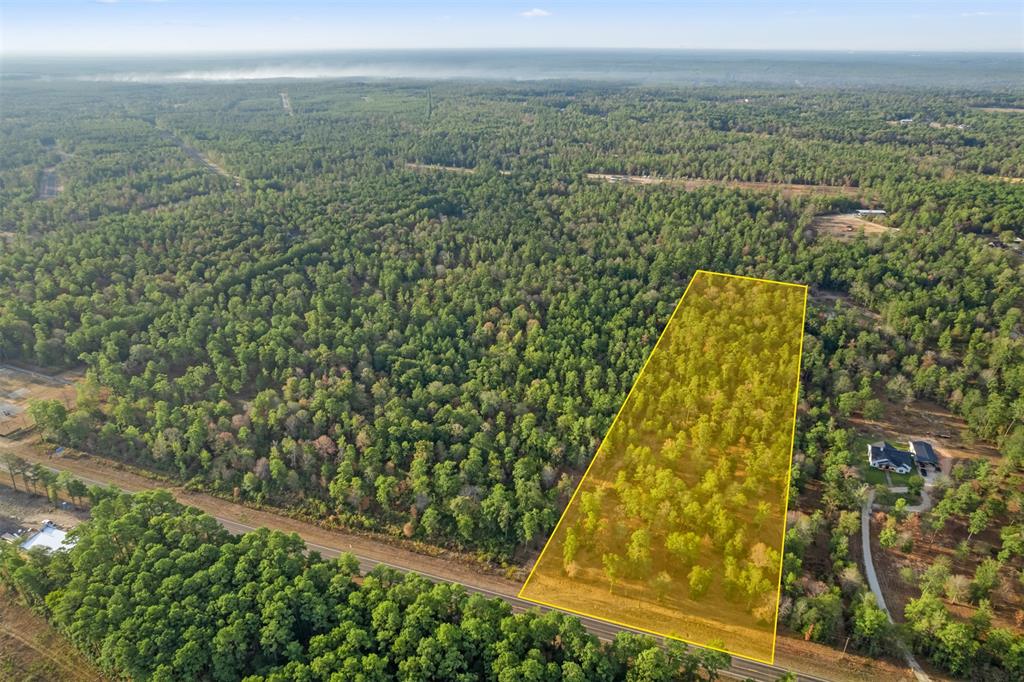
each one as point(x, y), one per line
point(876, 588)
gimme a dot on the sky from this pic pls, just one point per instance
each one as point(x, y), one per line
point(40, 27)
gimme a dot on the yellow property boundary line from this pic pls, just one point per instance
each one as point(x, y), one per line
point(788, 479)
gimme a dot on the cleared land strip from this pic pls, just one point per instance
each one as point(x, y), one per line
point(369, 552)
point(447, 169)
point(49, 183)
point(439, 167)
point(198, 156)
point(785, 189)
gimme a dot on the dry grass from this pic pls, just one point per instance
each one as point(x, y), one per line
point(30, 650)
point(822, 661)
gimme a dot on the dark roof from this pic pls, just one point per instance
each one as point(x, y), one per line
point(923, 452)
point(881, 452)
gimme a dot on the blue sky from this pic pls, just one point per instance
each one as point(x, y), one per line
point(189, 26)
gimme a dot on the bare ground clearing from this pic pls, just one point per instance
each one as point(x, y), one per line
point(925, 420)
point(49, 183)
point(439, 167)
point(785, 189)
point(827, 299)
point(463, 170)
point(847, 226)
point(31, 510)
point(794, 653)
point(19, 386)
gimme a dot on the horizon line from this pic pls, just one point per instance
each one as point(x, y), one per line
point(337, 50)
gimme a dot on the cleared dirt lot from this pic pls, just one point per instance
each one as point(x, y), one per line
point(49, 183)
point(847, 227)
point(925, 420)
point(20, 386)
point(25, 509)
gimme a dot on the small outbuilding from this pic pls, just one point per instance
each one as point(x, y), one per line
point(50, 537)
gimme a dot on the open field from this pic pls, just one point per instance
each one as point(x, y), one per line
point(847, 226)
point(785, 189)
point(19, 387)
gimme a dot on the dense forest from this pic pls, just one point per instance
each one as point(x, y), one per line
point(158, 591)
point(680, 518)
point(282, 310)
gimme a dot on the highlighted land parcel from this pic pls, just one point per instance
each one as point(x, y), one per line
point(677, 525)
